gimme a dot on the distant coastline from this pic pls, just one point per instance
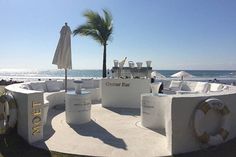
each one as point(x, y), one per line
point(14, 74)
point(34, 75)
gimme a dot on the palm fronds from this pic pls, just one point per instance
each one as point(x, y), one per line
point(98, 27)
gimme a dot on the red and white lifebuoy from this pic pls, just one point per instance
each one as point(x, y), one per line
point(8, 112)
point(202, 110)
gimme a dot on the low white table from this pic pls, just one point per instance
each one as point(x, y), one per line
point(78, 107)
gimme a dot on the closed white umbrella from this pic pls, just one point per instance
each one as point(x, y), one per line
point(62, 56)
point(182, 74)
point(121, 64)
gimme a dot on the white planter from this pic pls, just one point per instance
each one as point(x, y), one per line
point(148, 63)
point(131, 64)
point(139, 64)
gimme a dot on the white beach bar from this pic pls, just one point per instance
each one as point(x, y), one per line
point(123, 93)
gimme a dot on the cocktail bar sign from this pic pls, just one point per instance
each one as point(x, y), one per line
point(117, 84)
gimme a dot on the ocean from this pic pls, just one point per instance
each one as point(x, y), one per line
point(25, 75)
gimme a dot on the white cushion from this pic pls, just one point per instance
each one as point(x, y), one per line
point(95, 94)
point(54, 98)
point(26, 86)
point(70, 84)
point(225, 87)
point(61, 84)
point(53, 86)
point(202, 87)
point(175, 85)
point(39, 86)
point(96, 83)
point(88, 83)
point(216, 87)
point(185, 87)
point(185, 92)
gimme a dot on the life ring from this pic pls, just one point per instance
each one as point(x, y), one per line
point(202, 110)
point(8, 112)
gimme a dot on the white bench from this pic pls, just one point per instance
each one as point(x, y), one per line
point(53, 91)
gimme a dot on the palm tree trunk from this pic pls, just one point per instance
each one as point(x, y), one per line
point(104, 70)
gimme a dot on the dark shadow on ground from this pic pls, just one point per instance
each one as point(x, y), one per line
point(125, 111)
point(94, 130)
point(160, 131)
point(224, 150)
point(12, 145)
point(94, 102)
point(48, 130)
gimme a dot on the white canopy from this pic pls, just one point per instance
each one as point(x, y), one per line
point(62, 56)
point(182, 74)
point(157, 75)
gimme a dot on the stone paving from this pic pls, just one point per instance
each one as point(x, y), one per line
point(111, 132)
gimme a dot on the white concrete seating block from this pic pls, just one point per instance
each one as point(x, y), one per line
point(29, 112)
point(37, 93)
point(183, 108)
point(174, 114)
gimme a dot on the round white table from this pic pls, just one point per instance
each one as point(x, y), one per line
point(78, 107)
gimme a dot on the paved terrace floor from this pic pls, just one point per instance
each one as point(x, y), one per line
point(111, 132)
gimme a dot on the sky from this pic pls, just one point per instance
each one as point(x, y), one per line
point(173, 34)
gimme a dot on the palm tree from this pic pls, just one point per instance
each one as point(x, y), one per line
point(99, 28)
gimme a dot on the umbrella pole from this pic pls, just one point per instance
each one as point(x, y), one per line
point(65, 80)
